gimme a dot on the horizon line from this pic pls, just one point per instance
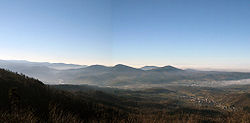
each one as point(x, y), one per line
point(205, 68)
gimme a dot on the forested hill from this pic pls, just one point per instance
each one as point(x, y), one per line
point(24, 99)
point(34, 101)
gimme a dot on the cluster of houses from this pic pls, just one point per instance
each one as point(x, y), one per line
point(204, 101)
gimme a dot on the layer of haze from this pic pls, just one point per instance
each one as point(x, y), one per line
point(187, 34)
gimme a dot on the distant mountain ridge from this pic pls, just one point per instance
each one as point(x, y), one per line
point(124, 68)
point(118, 75)
point(57, 66)
point(167, 69)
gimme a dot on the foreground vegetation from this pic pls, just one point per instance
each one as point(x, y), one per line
point(25, 99)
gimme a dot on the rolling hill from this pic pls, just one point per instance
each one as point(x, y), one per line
point(25, 99)
point(118, 75)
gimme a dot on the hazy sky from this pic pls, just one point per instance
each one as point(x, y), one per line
point(184, 33)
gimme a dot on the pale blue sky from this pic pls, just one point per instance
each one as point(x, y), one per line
point(184, 33)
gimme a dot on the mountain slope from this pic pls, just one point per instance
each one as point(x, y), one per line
point(25, 99)
point(118, 75)
point(20, 93)
point(167, 69)
point(124, 68)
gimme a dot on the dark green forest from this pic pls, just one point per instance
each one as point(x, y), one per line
point(25, 99)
